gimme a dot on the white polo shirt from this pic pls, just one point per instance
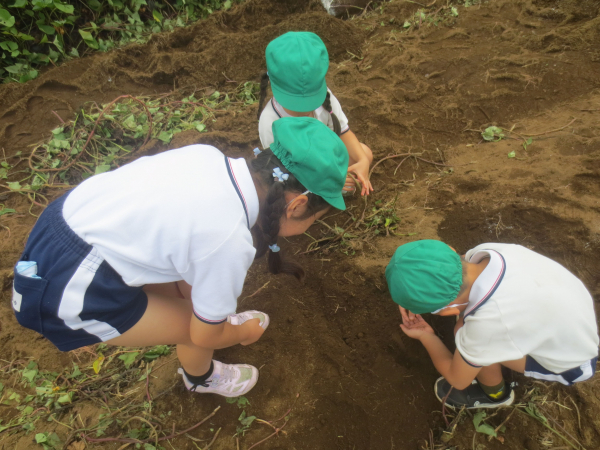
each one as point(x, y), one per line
point(526, 304)
point(183, 214)
point(274, 111)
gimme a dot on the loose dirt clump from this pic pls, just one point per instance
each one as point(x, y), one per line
point(425, 91)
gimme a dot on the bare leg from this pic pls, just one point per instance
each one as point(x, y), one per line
point(492, 375)
point(167, 322)
point(368, 153)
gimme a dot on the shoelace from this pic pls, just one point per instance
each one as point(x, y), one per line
point(194, 386)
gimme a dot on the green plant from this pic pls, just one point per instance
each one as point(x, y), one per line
point(245, 423)
point(39, 32)
point(49, 441)
point(484, 428)
point(241, 401)
point(493, 133)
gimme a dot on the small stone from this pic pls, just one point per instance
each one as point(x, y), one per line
point(290, 319)
point(360, 335)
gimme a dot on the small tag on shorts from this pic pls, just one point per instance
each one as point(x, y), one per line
point(16, 300)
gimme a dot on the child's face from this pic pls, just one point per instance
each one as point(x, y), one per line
point(294, 220)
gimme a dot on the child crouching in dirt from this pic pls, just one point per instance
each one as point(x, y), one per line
point(297, 63)
point(515, 308)
point(156, 252)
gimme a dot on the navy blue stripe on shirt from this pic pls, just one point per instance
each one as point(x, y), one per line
point(208, 321)
point(493, 289)
point(237, 188)
point(471, 364)
point(275, 109)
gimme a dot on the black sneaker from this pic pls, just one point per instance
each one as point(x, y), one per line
point(472, 397)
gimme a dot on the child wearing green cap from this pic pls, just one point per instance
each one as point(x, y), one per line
point(102, 266)
point(297, 63)
point(515, 308)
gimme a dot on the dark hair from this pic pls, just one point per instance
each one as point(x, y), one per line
point(266, 230)
point(264, 82)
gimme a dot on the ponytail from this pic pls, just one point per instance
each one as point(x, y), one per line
point(266, 231)
point(337, 128)
point(264, 82)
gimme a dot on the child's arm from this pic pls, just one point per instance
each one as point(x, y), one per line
point(224, 334)
point(452, 367)
point(359, 163)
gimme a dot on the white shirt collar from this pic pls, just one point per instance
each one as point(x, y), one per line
point(242, 177)
point(488, 281)
point(282, 112)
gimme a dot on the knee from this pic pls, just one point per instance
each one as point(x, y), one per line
point(368, 152)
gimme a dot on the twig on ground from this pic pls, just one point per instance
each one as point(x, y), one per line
point(147, 441)
point(256, 292)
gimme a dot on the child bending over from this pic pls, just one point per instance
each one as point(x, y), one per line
point(515, 308)
point(297, 63)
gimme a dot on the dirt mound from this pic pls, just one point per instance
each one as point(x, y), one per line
point(428, 89)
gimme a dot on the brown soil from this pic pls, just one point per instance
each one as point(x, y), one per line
point(532, 64)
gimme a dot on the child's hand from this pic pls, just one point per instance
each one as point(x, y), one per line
point(361, 171)
point(255, 331)
point(407, 316)
point(416, 328)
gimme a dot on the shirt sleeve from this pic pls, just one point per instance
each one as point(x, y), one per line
point(265, 125)
point(336, 108)
point(484, 339)
point(217, 279)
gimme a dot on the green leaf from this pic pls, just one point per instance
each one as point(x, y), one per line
point(41, 437)
point(227, 5)
point(157, 16)
point(2, 212)
point(165, 136)
point(47, 29)
point(128, 358)
point(512, 154)
point(527, 143)
point(19, 4)
point(6, 18)
point(14, 185)
point(200, 127)
point(247, 421)
point(492, 134)
point(64, 8)
point(407, 24)
point(29, 374)
point(481, 426)
point(454, 11)
point(89, 39)
point(102, 168)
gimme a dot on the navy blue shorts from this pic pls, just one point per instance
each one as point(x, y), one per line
point(569, 377)
point(79, 299)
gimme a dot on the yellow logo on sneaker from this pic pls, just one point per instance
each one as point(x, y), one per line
point(497, 395)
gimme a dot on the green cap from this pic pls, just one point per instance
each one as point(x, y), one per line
point(314, 154)
point(297, 63)
point(424, 276)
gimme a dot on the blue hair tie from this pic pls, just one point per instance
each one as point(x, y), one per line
point(257, 151)
point(274, 248)
point(281, 177)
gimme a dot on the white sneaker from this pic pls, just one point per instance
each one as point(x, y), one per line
point(228, 380)
point(238, 319)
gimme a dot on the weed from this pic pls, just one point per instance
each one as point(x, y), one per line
point(241, 401)
point(484, 428)
point(102, 137)
point(493, 133)
point(245, 423)
point(49, 441)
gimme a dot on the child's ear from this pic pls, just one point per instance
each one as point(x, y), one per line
point(296, 206)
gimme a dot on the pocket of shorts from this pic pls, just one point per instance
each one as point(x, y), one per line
point(27, 300)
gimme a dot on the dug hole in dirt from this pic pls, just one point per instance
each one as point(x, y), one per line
point(334, 353)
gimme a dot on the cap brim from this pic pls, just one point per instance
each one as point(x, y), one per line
point(336, 202)
point(299, 103)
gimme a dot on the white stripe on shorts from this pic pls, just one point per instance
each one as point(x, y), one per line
point(71, 303)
